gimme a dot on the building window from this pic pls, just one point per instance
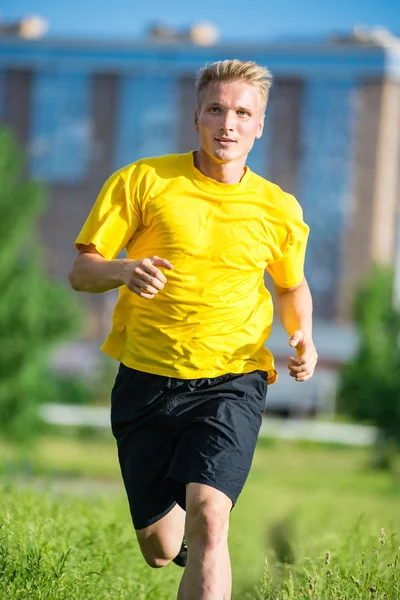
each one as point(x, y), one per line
point(326, 184)
point(148, 118)
point(60, 140)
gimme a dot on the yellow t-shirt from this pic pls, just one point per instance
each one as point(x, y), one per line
point(214, 314)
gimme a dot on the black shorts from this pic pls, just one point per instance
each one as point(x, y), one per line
point(171, 432)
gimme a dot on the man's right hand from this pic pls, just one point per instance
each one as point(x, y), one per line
point(143, 277)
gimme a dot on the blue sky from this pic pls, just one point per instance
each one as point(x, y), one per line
point(252, 20)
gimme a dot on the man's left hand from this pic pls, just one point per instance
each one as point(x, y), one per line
point(302, 367)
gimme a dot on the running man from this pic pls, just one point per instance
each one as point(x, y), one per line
point(191, 321)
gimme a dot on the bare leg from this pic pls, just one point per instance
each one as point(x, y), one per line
point(161, 542)
point(207, 575)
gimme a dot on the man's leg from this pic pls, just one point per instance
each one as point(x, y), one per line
point(161, 542)
point(207, 575)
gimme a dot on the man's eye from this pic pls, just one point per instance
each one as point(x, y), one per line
point(243, 112)
point(214, 109)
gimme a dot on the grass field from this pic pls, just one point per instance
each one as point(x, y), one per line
point(66, 532)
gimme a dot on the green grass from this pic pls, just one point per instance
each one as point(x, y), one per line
point(303, 500)
point(73, 454)
point(64, 548)
point(67, 534)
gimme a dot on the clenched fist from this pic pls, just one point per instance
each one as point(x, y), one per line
point(302, 368)
point(143, 277)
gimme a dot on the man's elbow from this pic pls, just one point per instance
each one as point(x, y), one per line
point(74, 280)
point(75, 275)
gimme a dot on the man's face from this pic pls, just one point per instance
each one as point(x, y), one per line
point(229, 120)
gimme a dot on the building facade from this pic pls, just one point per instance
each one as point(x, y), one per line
point(332, 138)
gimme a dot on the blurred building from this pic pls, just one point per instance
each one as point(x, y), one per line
point(332, 136)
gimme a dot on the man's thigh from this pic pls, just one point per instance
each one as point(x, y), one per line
point(216, 448)
point(173, 432)
point(146, 442)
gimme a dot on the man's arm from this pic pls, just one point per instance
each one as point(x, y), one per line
point(294, 308)
point(93, 273)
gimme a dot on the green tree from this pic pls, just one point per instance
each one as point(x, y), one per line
point(369, 386)
point(35, 312)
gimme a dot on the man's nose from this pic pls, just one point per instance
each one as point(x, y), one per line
point(227, 122)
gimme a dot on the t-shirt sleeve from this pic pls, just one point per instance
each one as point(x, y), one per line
point(112, 221)
point(288, 269)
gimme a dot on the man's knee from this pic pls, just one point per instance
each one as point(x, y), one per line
point(207, 520)
point(154, 561)
point(158, 552)
point(161, 542)
point(154, 555)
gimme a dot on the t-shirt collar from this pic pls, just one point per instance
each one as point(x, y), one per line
point(217, 186)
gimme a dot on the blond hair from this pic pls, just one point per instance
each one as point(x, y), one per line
point(231, 70)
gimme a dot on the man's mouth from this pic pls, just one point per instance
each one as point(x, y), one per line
point(225, 140)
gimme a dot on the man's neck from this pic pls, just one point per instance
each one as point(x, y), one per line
point(223, 172)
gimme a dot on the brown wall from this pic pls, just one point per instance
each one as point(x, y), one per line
point(284, 134)
point(17, 100)
point(187, 137)
point(371, 232)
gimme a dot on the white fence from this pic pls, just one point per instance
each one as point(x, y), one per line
point(294, 429)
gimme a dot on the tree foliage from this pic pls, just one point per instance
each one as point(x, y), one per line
point(35, 312)
point(370, 383)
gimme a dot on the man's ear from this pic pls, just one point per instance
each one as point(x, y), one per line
point(196, 120)
point(260, 129)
